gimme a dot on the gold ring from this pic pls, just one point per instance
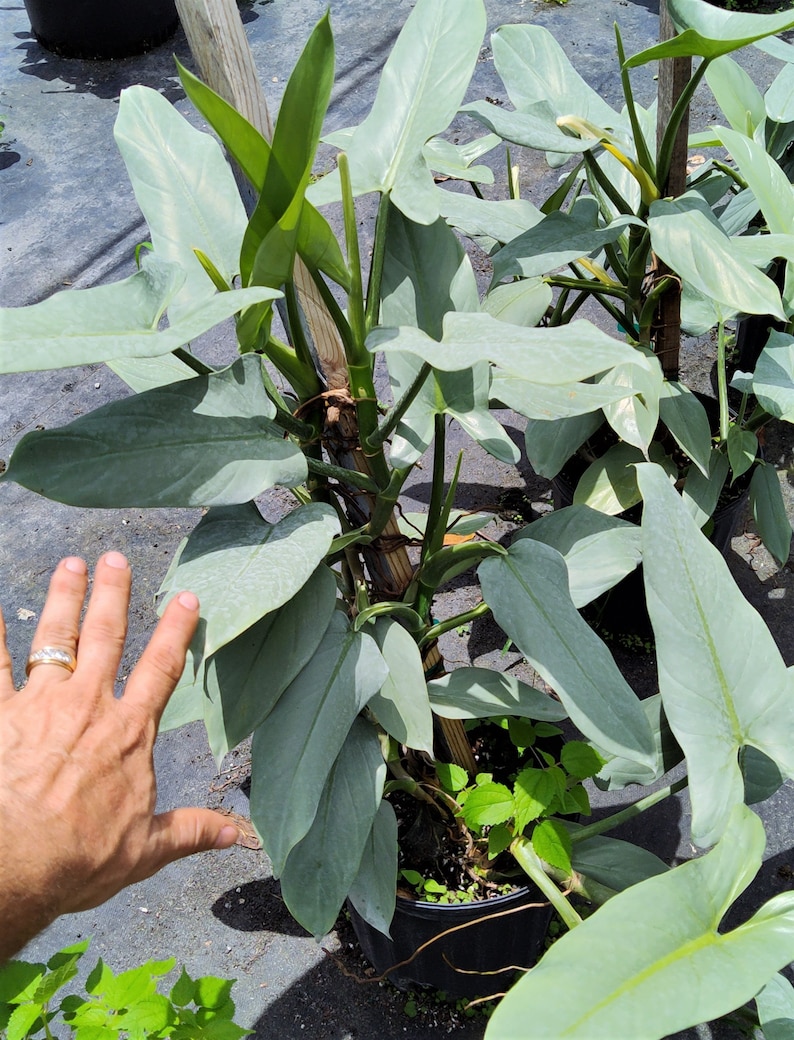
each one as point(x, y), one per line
point(51, 655)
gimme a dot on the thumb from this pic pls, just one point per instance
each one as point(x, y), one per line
point(181, 832)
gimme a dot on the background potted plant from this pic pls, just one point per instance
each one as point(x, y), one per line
point(319, 630)
point(98, 29)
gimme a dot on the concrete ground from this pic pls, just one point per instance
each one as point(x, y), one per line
point(69, 219)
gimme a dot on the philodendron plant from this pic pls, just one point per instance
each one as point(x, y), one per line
point(318, 634)
point(622, 241)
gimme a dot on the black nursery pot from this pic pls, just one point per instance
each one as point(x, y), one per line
point(459, 963)
point(101, 28)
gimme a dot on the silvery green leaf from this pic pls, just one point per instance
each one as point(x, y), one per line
point(185, 189)
point(246, 677)
point(721, 676)
point(619, 773)
point(549, 444)
point(736, 94)
point(205, 441)
point(769, 512)
point(527, 590)
point(420, 90)
point(701, 494)
point(686, 418)
point(635, 958)
point(108, 322)
point(598, 550)
point(635, 417)
point(452, 160)
point(373, 893)
point(294, 750)
point(773, 380)
point(523, 302)
point(611, 862)
point(401, 705)
point(536, 401)
point(321, 868)
point(478, 693)
point(147, 373)
point(775, 1005)
point(779, 98)
point(242, 567)
point(766, 180)
point(550, 356)
point(487, 221)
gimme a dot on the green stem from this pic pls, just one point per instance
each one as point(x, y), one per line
point(610, 822)
point(644, 159)
point(355, 298)
point(452, 623)
point(589, 285)
point(193, 362)
point(302, 378)
point(722, 383)
point(372, 311)
point(665, 154)
point(344, 476)
point(531, 864)
point(580, 885)
point(395, 414)
point(651, 304)
point(614, 196)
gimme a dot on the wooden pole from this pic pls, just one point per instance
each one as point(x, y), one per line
point(674, 74)
point(221, 50)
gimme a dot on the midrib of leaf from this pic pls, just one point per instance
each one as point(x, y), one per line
point(711, 938)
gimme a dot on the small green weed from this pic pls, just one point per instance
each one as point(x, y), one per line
point(127, 1006)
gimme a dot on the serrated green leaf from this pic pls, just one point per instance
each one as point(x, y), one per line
point(21, 1021)
point(183, 990)
point(452, 778)
point(580, 759)
point(211, 991)
point(19, 981)
point(487, 805)
point(534, 791)
point(552, 843)
point(499, 838)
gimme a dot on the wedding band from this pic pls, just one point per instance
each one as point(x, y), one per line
point(51, 655)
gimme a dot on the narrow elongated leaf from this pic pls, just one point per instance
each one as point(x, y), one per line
point(294, 750)
point(321, 868)
point(401, 705)
point(198, 442)
point(185, 189)
point(107, 322)
point(245, 678)
point(685, 237)
point(779, 99)
point(478, 693)
point(709, 32)
point(773, 379)
point(701, 494)
point(721, 676)
point(598, 550)
point(635, 958)
point(769, 512)
point(421, 88)
point(550, 356)
point(241, 567)
point(527, 590)
point(373, 893)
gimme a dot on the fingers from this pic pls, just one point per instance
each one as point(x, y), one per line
point(105, 626)
point(6, 667)
point(60, 618)
point(183, 832)
point(154, 677)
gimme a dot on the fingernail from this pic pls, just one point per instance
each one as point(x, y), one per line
point(75, 565)
point(228, 836)
point(115, 559)
point(189, 600)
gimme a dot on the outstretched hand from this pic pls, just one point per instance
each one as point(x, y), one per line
point(78, 791)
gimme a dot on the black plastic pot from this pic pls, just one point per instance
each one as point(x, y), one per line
point(459, 963)
point(101, 28)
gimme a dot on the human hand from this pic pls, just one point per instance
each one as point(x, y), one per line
point(78, 790)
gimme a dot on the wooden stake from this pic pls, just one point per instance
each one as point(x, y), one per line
point(221, 50)
point(674, 74)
